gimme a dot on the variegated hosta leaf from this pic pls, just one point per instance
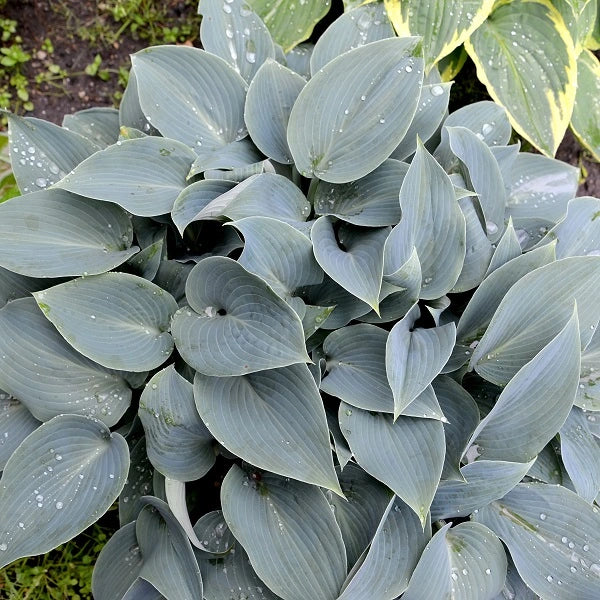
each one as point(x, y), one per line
point(432, 222)
point(144, 176)
point(43, 153)
point(366, 24)
point(552, 536)
point(53, 233)
point(359, 513)
point(484, 481)
point(443, 27)
point(16, 423)
point(279, 254)
point(352, 114)
point(578, 234)
point(231, 30)
point(355, 367)
point(289, 532)
point(371, 201)
point(75, 469)
point(407, 455)
point(352, 256)
point(580, 452)
point(466, 562)
point(488, 296)
point(525, 56)
point(120, 321)
point(535, 403)
point(273, 419)
point(207, 115)
point(99, 125)
point(271, 96)
point(414, 356)
point(288, 21)
point(48, 376)
point(392, 556)
point(585, 121)
point(178, 443)
point(534, 310)
point(240, 318)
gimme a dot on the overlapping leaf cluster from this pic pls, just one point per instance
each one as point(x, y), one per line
point(381, 318)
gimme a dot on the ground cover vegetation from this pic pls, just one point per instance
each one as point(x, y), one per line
point(315, 336)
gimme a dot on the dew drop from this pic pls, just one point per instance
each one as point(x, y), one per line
point(3, 547)
point(408, 68)
point(41, 182)
point(59, 505)
point(491, 227)
point(542, 516)
point(437, 90)
point(550, 579)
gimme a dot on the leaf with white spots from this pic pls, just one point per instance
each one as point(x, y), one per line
point(75, 470)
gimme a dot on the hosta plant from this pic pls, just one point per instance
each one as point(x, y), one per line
point(534, 56)
point(318, 338)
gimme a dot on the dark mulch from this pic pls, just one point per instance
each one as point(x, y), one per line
point(40, 19)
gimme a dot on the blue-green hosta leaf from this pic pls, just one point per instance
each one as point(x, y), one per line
point(356, 367)
point(488, 296)
point(232, 571)
point(546, 468)
point(407, 455)
point(118, 320)
point(146, 262)
point(279, 254)
point(234, 155)
point(580, 451)
point(171, 276)
point(177, 441)
point(356, 28)
point(194, 198)
point(240, 318)
point(48, 376)
point(289, 532)
point(426, 406)
point(54, 233)
point(588, 391)
point(231, 30)
point(214, 533)
point(507, 248)
point(353, 113)
point(329, 293)
point(144, 176)
point(351, 256)
point(131, 116)
point(443, 27)
point(42, 153)
point(552, 536)
point(487, 120)
point(263, 195)
point(525, 57)
point(288, 22)
point(207, 115)
point(484, 481)
point(392, 556)
point(479, 250)
point(540, 188)
point(483, 174)
point(578, 234)
point(534, 311)
point(99, 125)
point(432, 107)
point(273, 419)
point(298, 59)
point(16, 423)
point(414, 356)
point(462, 415)
point(585, 121)
point(371, 201)
point(535, 403)
point(138, 484)
point(514, 586)
point(466, 562)
point(433, 223)
point(271, 96)
point(359, 513)
point(13, 286)
point(75, 468)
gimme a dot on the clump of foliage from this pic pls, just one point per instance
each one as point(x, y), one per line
point(379, 320)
